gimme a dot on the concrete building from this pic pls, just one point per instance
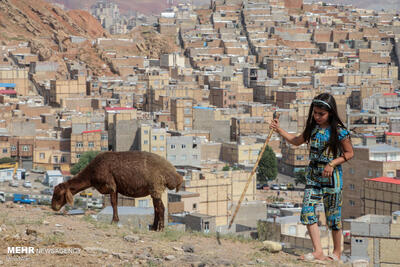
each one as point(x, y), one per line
point(184, 150)
point(62, 89)
point(370, 161)
point(94, 140)
point(381, 195)
point(376, 238)
point(153, 140)
point(53, 178)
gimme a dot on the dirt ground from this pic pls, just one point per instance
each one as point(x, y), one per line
point(65, 240)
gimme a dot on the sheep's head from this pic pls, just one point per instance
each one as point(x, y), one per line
point(61, 196)
point(175, 182)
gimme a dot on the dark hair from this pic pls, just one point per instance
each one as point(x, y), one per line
point(326, 102)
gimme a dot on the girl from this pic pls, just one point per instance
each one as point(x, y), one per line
point(330, 146)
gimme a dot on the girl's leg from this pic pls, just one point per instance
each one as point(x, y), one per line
point(337, 242)
point(313, 231)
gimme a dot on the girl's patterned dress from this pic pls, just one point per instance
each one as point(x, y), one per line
point(319, 187)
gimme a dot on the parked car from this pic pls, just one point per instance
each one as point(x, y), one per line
point(262, 186)
point(27, 184)
point(95, 204)
point(47, 191)
point(86, 194)
point(14, 183)
point(290, 186)
point(282, 187)
point(20, 198)
point(275, 187)
point(2, 197)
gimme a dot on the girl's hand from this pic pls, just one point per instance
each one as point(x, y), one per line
point(328, 171)
point(274, 124)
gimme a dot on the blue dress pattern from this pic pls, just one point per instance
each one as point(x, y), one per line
point(328, 189)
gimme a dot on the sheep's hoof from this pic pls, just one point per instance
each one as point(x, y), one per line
point(115, 221)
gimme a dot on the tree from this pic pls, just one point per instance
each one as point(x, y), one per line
point(84, 160)
point(300, 177)
point(226, 168)
point(7, 160)
point(268, 167)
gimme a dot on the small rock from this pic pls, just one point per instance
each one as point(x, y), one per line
point(58, 225)
point(31, 232)
point(96, 250)
point(188, 248)
point(177, 249)
point(169, 257)
point(272, 246)
point(224, 262)
point(58, 232)
point(251, 263)
point(260, 261)
point(131, 238)
point(359, 263)
point(120, 256)
point(1, 262)
point(46, 223)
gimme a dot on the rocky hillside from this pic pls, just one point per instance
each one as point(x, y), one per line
point(79, 240)
point(388, 5)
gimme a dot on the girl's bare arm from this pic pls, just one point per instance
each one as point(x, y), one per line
point(291, 138)
point(348, 152)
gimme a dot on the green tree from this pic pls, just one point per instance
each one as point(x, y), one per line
point(226, 168)
point(268, 167)
point(84, 160)
point(300, 177)
point(7, 160)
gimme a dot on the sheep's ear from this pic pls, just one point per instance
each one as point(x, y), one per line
point(69, 197)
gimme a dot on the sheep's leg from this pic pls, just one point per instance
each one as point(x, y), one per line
point(158, 224)
point(114, 204)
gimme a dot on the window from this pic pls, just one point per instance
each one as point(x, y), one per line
point(172, 146)
point(78, 156)
point(369, 173)
point(351, 171)
point(172, 157)
point(13, 148)
point(62, 160)
point(103, 148)
point(187, 111)
point(161, 137)
point(91, 144)
point(25, 148)
point(79, 144)
point(206, 227)
point(378, 174)
point(390, 174)
point(351, 186)
point(183, 146)
point(145, 142)
point(187, 121)
point(255, 152)
point(183, 157)
point(161, 148)
point(41, 155)
point(55, 159)
point(104, 137)
point(194, 156)
point(352, 203)
point(5, 150)
point(299, 157)
point(154, 148)
point(194, 206)
point(143, 203)
point(145, 132)
point(154, 137)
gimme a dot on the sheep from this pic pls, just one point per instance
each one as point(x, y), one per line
point(131, 173)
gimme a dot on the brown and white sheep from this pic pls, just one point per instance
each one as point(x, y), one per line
point(132, 173)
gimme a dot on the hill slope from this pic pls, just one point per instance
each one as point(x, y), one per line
point(81, 241)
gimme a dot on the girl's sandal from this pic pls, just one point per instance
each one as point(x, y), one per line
point(309, 257)
point(334, 258)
